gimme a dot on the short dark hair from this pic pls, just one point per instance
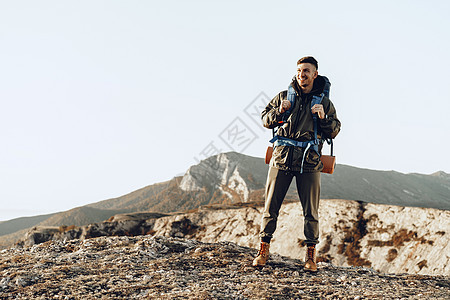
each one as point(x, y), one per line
point(309, 60)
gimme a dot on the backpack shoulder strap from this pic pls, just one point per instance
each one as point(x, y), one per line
point(316, 100)
point(326, 89)
point(291, 97)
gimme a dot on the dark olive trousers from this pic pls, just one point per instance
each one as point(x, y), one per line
point(308, 188)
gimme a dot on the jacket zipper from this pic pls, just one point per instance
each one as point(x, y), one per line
point(297, 117)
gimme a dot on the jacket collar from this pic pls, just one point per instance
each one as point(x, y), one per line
point(318, 86)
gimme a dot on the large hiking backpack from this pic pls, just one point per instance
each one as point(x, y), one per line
point(328, 161)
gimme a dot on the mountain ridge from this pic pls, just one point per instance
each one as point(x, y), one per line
point(233, 177)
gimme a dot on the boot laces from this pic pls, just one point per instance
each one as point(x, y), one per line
point(262, 249)
point(310, 253)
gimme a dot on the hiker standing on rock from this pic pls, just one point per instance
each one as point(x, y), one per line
point(296, 153)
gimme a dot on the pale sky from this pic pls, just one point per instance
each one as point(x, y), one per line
point(100, 98)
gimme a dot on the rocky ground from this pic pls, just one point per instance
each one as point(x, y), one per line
point(389, 239)
point(156, 267)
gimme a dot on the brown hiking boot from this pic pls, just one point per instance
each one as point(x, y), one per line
point(263, 255)
point(310, 260)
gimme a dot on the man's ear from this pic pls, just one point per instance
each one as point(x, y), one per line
point(315, 74)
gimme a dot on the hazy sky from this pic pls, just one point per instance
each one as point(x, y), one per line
point(100, 98)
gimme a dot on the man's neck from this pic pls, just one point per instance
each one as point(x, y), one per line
point(306, 90)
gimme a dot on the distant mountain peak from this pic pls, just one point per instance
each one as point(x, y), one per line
point(441, 174)
point(221, 172)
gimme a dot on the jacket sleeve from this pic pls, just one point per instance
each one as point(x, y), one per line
point(330, 125)
point(271, 114)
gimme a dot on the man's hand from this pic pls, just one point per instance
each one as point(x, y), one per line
point(285, 105)
point(318, 108)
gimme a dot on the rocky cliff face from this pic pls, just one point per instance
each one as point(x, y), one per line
point(389, 239)
point(233, 174)
point(173, 268)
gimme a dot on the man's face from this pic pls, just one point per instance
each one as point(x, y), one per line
point(306, 73)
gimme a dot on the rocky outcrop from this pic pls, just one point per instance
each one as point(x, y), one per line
point(173, 268)
point(389, 239)
point(131, 224)
point(230, 173)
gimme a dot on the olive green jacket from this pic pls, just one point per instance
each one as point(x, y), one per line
point(299, 126)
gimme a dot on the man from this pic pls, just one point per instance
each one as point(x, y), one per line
point(295, 156)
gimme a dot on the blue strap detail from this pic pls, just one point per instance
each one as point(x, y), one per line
point(326, 88)
point(272, 140)
point(282, 141)
point(291, 97)
point(316, 100)
point(303, 157)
